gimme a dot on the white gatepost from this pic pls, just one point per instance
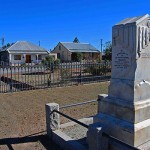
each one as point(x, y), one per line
point(10, 58)
point(37, 59)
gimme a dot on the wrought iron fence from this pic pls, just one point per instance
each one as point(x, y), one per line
point(48, 75)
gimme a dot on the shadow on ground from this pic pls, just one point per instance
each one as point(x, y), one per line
point(43, 139)
point(16, 84)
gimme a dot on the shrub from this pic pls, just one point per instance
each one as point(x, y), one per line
point(77, 57)
point(48, 60)
point(96, 70)
point(57, 62)
point(65, 73)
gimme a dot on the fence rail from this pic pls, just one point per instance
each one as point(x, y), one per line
point(77, 104)
point(72, 119)
point(38, 76)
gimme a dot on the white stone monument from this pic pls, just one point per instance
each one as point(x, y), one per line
point(125, 112)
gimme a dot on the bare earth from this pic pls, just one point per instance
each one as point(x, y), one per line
point(22, 114)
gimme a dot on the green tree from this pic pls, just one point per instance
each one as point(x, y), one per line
point(48, 60)
point(108, 51)
point(57, 61)
point(76, 40)
point(7, 45)
point(77, 56)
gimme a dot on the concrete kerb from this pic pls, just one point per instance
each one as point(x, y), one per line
point(66, 142)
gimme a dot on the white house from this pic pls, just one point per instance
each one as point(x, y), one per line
point(22, 52)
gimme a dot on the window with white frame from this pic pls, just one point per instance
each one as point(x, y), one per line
point(17, 57)
point(39, 57)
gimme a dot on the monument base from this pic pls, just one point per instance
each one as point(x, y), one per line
point(145, 146)
point(124, 121)
point(132, 134)
point(124, 110)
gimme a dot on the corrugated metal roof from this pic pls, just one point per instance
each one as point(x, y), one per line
point(79, 47)
point(28, 52)
point(24, 46)
point(133, 20)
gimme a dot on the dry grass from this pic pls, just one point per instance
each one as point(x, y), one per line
point(23, 113)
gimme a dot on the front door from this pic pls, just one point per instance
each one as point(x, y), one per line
point(28, 58)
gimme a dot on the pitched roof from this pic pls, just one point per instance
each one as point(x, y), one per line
point(24, 46)
point(133, 20)
point(79, 47)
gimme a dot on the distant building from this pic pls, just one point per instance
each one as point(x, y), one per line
point(22, 52)
point(65, 51)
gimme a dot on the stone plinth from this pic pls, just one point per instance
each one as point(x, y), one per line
point(125, 122)
point(125, 111)
point(52, 119)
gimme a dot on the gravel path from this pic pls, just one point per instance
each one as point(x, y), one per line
point(77, 132)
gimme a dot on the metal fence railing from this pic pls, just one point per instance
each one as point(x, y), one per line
point(37, 76)
point(78, 104)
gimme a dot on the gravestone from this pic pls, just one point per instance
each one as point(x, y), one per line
point(125, 112)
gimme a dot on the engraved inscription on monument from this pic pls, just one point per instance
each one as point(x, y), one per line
point(122, 60)
point(145, 55)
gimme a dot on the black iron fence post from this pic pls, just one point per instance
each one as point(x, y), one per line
point(49, 76)
point(11, 79)
point(80, 77)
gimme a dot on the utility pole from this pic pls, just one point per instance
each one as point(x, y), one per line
point(100, 56)
point(2, 41)
point(101, 45)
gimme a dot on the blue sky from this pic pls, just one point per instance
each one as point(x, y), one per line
point(52, 21)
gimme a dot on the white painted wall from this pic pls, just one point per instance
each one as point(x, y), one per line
point(23, 58)
point(12, 61)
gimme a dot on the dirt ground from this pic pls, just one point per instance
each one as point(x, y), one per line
point(22, 114)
